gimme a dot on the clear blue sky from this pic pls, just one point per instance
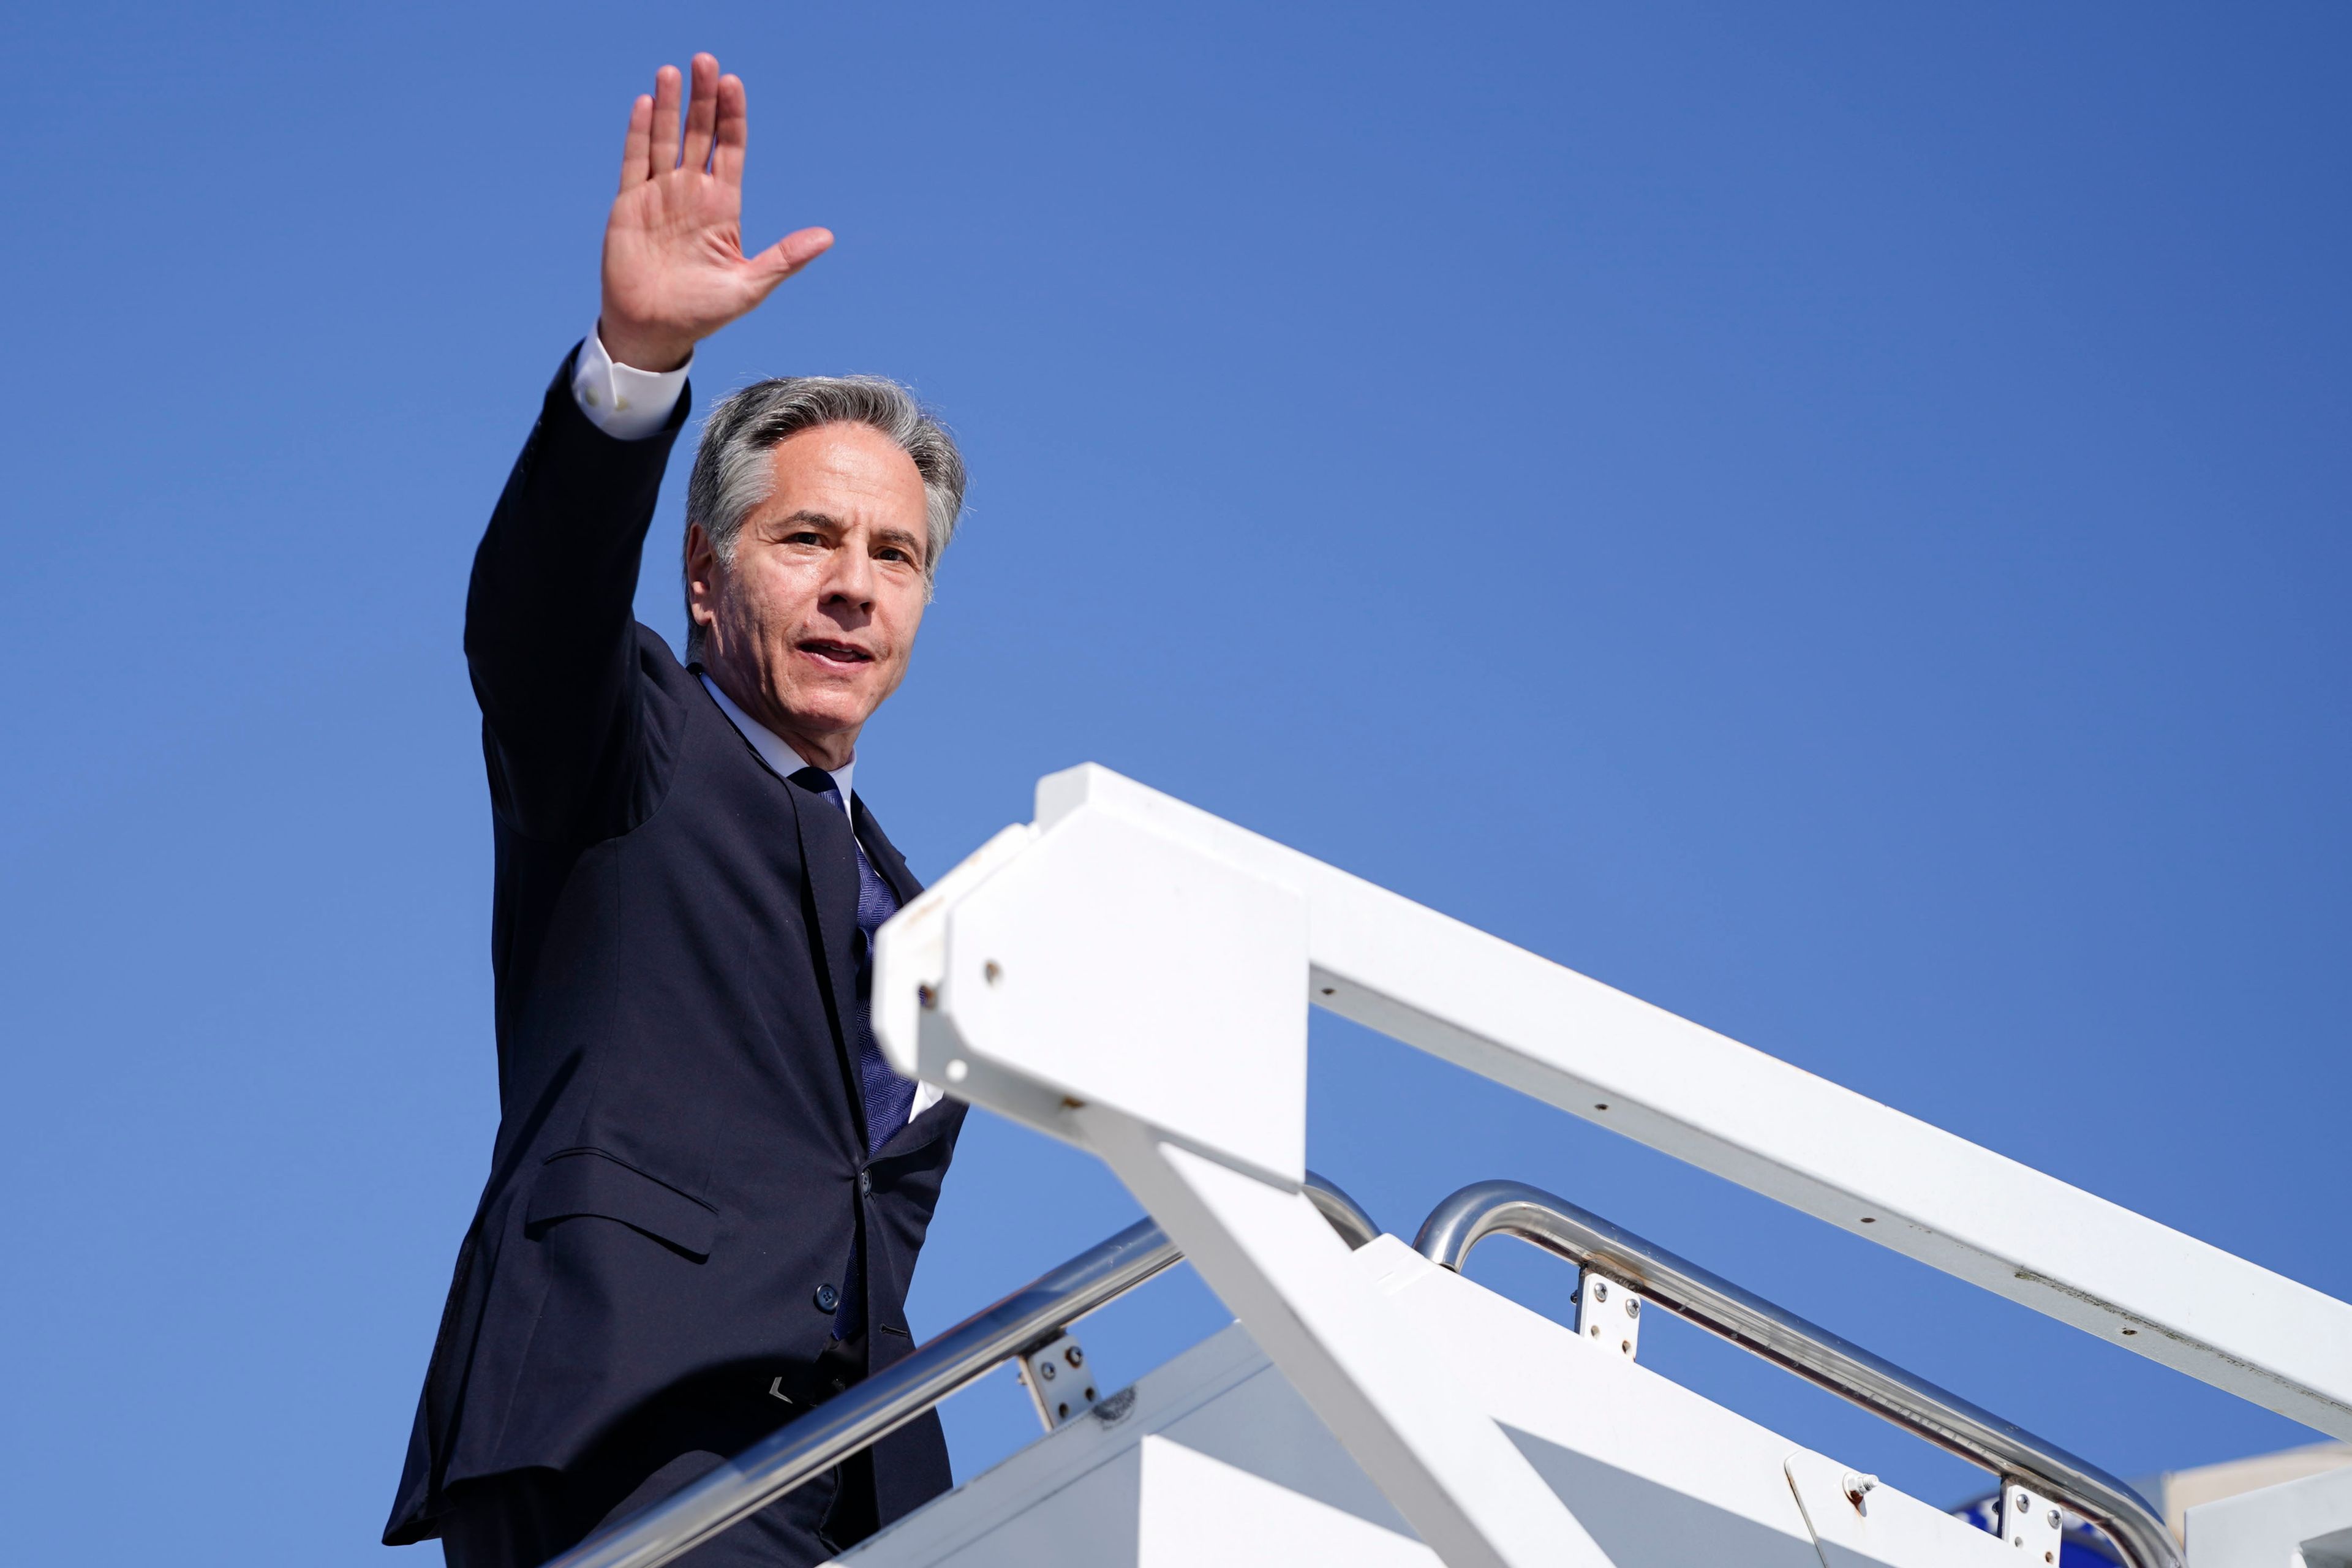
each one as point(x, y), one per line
point(1833, 520)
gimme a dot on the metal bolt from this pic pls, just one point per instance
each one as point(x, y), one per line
point(2054, 1519)
point(2023, 1501)
point(991, 973)
point(1858, 1486)
point(1074, 1356)
point(1633, 1306)
point(1601, 1289)
point(1045, 1370)
point(1625, 1345)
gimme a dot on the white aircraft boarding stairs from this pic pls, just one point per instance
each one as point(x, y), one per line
point(1108, 973)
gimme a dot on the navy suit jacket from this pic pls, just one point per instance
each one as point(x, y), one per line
point(680, 1164)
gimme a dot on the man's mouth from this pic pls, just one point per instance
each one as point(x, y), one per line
point(836, 653)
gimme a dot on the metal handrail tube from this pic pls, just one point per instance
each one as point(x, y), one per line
point(1341, 1213)
point(872, 1409)
point(880, 1404)
point(1717, 1305)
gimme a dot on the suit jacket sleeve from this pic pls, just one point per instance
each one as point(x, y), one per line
point(550, 639)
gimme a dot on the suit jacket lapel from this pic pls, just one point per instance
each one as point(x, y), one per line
point(884, 856)
point(830, 861)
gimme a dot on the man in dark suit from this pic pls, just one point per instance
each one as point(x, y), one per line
point(708, 1190)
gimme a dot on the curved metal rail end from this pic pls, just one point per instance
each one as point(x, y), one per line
point(1717, 1305)
point(1344, 1214)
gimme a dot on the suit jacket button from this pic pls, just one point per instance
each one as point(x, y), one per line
point(827, 1298)
point(866, 1181)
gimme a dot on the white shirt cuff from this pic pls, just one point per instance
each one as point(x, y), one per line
point(625, 402)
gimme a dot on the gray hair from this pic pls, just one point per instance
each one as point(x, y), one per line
point(733, 475)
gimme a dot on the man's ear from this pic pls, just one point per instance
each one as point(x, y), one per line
point(701, 577)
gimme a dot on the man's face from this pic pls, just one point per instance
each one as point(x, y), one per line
point(810, 625)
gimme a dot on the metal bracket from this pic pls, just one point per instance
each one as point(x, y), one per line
point(1057, 1380)
point(2031, 1523)
point(1609, 1313)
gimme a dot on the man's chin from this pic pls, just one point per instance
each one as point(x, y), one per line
point(828, 715)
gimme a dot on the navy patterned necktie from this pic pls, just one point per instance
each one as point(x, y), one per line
point(888, 1095)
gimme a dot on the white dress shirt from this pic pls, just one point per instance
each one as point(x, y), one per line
point(776, 751)
point(625, 402)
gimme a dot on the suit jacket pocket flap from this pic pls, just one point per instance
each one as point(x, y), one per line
point(584, 1182)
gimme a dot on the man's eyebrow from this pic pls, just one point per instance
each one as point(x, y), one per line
point(821, 519)
point(899, 536)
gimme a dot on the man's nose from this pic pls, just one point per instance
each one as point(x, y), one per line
point(852, 579)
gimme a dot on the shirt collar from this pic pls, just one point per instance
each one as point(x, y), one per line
point(772, 746)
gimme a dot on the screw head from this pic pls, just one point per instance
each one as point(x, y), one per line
point(1074, 1356)
point(2054, 1521)
point(1601, 1289)
point(991, 971)
point(1633, 1306)
point(1045, 1370)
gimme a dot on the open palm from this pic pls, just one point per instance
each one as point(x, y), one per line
point(674, 271)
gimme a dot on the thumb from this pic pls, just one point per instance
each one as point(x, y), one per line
point(790, 253)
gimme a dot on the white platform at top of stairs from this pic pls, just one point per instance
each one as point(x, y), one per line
point(1214, 1459)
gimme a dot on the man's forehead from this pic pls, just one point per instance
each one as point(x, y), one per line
point(856, 455)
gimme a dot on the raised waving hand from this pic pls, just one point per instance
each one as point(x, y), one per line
point(674, 271)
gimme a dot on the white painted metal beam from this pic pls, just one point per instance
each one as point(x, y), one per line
point(1611, 1059)
point(1107, 985)
point(1467, 1492)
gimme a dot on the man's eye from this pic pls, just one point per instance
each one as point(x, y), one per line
point(892, 553)
point(806, 536)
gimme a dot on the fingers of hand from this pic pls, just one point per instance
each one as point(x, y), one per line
point(701, 114)
point(635, 148)
point(667, 84)
point(791, 253)
point(733, 129)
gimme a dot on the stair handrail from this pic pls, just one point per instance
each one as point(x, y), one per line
point(873, 1408)
point(1694, 1294)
